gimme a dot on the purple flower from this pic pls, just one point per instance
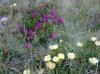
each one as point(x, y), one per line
point(59, 19)
point(52, 16)
point(45, 16)
point(34, 13)
point(37, 25)
point(54, 21)
point(44, 31)
point(28, 45)
point(19, 27)
point(44, 19)
point(26, 30)
point(30, 32)
point(28, 38)
point(52, 35)
point(53, 12)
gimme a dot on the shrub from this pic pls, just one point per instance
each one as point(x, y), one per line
point(39, 23)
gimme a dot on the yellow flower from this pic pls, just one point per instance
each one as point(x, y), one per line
point(61, 56)
point(47, 58)
point(26, 72)
point(55, 59)
point(97, 43)
point(93, 38)
point(50, 65)
point(93, 60)
point(71, 56)
point(79, 44)
point(53, 47)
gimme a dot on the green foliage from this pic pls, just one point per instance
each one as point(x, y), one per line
point(78, 17)
point(41, 24)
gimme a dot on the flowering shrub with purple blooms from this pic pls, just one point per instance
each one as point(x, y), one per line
point(39, 23)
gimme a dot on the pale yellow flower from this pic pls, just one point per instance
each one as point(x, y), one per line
point(97, 43)
point(61, 56)
point(40, 71)
point(79, 44)
point(55, 59)
point(53, 47)
point(71, 56)
point(26, 72)
point(60, 41)
point(93, 38)
point(47, 58)
point(50, 65)
point(93, 60)
point(50, 47)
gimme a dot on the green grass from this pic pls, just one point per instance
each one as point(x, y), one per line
point(78, 27)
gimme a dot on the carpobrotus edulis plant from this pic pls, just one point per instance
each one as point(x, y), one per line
point(40, 23)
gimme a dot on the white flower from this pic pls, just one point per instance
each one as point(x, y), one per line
point(93, 38)
point(26, 72)
point(60, 41)
point(11, 5)
point(53, 47)
point(93, 60)
point(14, 4)
point(50, 65)
point(71, 56)
point(61, 56)
point(97, 43)
point(47, 58)
point(55, 59)
point(4, 19)
point(79, 44)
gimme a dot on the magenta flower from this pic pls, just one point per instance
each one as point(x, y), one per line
point(54, 21)
point(53, 12)
point(28, 38)
point(45, 16)
point(44, 19)
point(34, 13)
point(19, 27)
point(28, 45)
point(52, 16)
point(37, 25)
point(26, 30)
point(30, 32)
point(59, 19)
point(44, 31)
point(52, 35)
